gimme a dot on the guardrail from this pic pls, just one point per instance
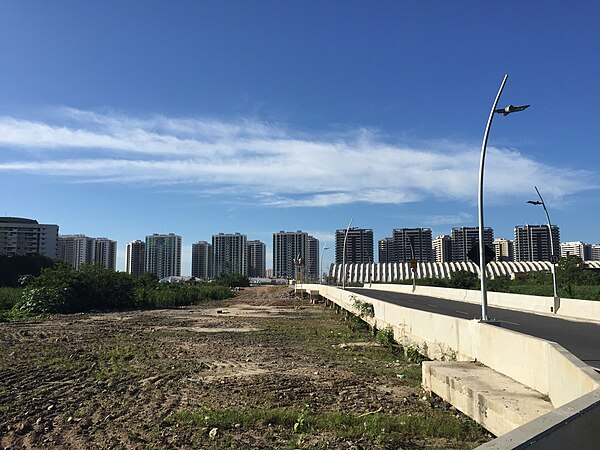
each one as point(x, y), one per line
point(572, 386)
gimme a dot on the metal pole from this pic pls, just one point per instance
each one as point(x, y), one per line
point(551, 243)
point(321, 261)
point(344, 255)
point(484, 317)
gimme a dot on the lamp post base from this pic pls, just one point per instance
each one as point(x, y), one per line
point(490, 322)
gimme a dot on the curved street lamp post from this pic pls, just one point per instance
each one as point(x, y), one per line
point(321, 260)
point(505, 112)
point(344, 255)
point(553, 257)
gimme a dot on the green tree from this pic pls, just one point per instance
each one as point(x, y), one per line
point(14, 267)
point(463, 279)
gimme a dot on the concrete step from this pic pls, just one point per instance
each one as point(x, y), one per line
point(497, 402)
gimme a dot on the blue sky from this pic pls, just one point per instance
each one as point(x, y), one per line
point(126, 118)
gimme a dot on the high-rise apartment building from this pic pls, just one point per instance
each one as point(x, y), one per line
point(504, 250)
point(359, 246)
point(442, 248)
point(202, 260)
point(163, 255)
point(23, 237)
point(78, 250)
point(595, 252)
point(136, 257)
point(532, 242)
point(464, 238)
point(257, 254)
point(287, 247)
point(413, 243)
point(229, 254)
point(576, 248)
point(312, 260)
point(385, 250)
point(104, 253)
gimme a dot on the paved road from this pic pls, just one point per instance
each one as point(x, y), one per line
point(580, 338)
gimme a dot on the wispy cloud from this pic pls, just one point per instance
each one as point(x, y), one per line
point(267, 163)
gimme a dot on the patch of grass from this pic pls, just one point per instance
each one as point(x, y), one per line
point(378, 427)
point(385, 337)
point(123, 360)
point(9, 296)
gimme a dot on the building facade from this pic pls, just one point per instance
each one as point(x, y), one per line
point(532, 242)
point(385, 250)
point(465, 238)
point(163, 255)
point(202, 260)
point(24, 237)
point(413, 243)
point(442, 248)
point(595, 252)
point(136, 257)
point(312, 260)
point(504, 250)
point(287, 247)
point(576, 248)
point(359, 246)
point(229, 254)
point(257, 264)
point(104, 253)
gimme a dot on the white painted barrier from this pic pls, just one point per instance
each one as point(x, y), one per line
point(587, 310)
point(541, 365)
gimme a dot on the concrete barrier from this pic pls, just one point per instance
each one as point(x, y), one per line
point(541, 365)
point(587, 310)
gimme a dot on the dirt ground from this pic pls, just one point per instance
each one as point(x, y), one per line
point(262, 370)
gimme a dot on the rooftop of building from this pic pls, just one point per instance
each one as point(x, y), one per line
point(17, 220)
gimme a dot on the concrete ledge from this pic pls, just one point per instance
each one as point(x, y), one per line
point(585, 310)
point(493, 400)
point(572, 426)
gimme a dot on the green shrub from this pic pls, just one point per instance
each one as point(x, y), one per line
point(9, 297)
point(385, 337)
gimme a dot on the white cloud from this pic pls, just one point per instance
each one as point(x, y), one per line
point(267, 163)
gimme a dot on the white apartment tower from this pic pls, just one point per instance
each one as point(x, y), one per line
point(229, 254)
point(136, 257)
point(23, 237)
point(104, 252)
point(78, 250)
point(442, 248)
point(163, 255)
point(202, 260)
point(504, 249)
point(576, 248)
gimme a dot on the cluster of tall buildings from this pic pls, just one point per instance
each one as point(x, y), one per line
point(295, 253)
point(19, 236)
point(160, 254)
point(531, 243)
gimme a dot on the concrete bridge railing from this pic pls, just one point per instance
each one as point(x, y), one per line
point(572, 386)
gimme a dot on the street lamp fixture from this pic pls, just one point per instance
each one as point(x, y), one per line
point(504, 111)
point(321, 260)
point(344, 255)
point(553, 257)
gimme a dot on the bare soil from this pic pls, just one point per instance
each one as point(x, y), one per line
point(262, 370)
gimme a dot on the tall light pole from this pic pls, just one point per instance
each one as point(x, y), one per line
point(321, 260)
point(505, 112)
point(344, 255)
point(553, 257)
